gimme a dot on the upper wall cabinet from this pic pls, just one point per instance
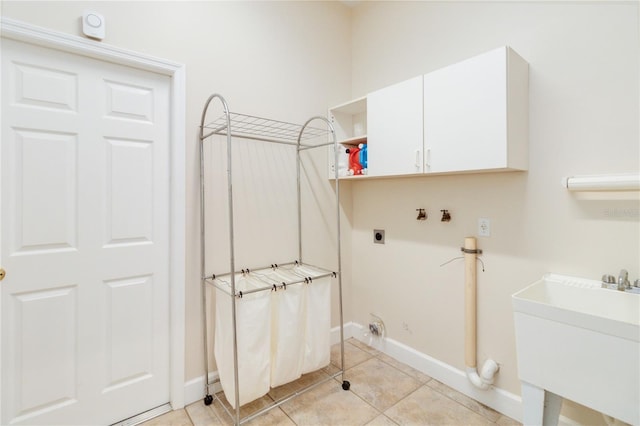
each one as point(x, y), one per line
point(394, 116)
point(468, 117)
point(476, 114)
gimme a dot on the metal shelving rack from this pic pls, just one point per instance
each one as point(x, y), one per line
point(235, 125)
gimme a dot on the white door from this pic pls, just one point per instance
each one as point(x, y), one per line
point(85, 238)
point(394, 129)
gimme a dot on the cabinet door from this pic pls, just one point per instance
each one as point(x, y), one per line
point(465, 115)
point(394, 121)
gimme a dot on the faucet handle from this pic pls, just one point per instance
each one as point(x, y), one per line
point(608, 279)
point(636, 283)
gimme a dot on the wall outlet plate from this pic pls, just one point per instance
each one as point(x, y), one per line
point(378, 236)
point(484, 227)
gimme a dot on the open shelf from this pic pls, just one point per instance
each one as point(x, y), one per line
point(354, 141)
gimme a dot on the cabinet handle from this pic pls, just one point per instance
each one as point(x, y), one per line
point(417, 159)
point(428, 162)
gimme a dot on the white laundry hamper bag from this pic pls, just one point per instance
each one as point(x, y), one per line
point(317, 345)
point(253, 325)
point(287, 328)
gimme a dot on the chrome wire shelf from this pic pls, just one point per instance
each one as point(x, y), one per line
point(222, 282)
point(263, 129)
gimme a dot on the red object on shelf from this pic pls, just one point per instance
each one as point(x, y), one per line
point(355, 168)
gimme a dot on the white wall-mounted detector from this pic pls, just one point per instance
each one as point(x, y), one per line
point(93, 25)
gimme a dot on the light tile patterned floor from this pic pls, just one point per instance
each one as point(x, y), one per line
point(383, 392)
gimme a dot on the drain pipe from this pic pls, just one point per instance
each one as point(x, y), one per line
point(484, 380)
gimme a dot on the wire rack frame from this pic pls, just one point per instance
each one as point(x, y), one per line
point(264, 129)
point(257, 128)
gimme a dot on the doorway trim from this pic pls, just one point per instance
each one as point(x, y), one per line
point(21, 31)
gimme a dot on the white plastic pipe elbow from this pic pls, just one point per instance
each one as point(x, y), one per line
point(485, 379)
point(489, 369)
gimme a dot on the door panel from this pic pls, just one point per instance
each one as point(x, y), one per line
point(43, 170)
point(44, 87)
point(129, 191)
point(85, 239)
point(129, 330)
point(129, 102)
point(56, 337)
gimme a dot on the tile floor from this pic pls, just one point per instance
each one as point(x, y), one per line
point(383, 392)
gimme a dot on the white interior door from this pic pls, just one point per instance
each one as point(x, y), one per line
point(85, 238)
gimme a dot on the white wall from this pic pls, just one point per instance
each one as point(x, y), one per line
point(283, 60)
point(584, 117)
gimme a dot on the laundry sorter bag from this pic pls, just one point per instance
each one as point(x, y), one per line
point(317, 345)
point(287, 327)
point(253, 325)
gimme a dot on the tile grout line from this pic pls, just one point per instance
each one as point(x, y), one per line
point(188, 415)
point(283, 411)
point(380, 412)
point(350, 389)
point(459, 403)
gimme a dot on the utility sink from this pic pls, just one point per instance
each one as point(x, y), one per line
point(579, 341)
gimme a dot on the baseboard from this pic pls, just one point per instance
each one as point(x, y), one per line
point(348, 332)
point(498, 399)
point(194, 389)
point(147, 415)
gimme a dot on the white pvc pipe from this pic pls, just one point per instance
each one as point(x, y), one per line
point(618, 182)
point(484, 380)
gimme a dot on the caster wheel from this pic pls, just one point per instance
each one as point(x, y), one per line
point(208, 400)
point(346, 385)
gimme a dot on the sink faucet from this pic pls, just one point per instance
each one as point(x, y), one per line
point(623, 280)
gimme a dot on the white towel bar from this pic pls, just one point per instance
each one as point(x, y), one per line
point(617, 182)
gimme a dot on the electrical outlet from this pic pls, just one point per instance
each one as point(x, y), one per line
point(484, 227)
point(406, 328)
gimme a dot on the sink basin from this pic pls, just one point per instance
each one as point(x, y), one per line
point(579, 341)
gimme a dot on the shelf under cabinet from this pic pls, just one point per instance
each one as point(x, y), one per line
point(354, 141)
point(356, 106)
